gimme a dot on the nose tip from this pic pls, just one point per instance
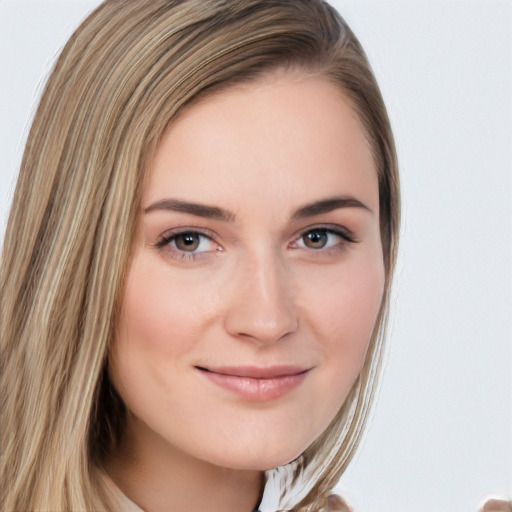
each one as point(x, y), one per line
point(265, 329)
point(262, 309)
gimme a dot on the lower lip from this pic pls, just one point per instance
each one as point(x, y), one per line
point(256, 390)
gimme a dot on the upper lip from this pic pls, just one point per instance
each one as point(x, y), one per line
point(256, 372)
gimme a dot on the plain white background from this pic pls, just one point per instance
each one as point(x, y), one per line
point(441, 434)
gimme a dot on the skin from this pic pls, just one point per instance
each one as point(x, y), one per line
point(264, 287)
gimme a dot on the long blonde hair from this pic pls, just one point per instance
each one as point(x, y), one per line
point(122, 77)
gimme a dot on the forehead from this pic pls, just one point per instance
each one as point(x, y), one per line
point(287, 138)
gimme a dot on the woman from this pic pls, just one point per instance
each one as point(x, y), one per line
point(197, 265)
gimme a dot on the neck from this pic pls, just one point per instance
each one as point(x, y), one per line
point(160, 478)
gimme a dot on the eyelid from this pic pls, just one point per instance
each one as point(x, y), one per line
point(346, 234)
point(164, 243)
point(168, 235)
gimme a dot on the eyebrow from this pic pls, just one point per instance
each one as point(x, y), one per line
point(199, 210)
point(217, 213)
point(328, 205)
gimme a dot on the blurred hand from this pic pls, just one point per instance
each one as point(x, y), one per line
point(496, 505)
point(335, 503)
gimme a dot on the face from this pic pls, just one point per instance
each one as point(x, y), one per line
point(256, 277)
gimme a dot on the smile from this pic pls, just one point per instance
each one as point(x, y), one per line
point(256, 384)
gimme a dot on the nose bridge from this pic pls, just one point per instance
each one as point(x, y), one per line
point(262, 307)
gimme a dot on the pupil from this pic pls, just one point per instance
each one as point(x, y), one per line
point(316, 239)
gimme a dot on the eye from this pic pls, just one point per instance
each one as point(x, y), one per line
point(322, 238)
point(187, 243)
point(316, 239)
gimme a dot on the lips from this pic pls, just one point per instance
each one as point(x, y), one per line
point(256, 384)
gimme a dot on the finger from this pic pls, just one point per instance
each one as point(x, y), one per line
point(496, 505)
point(335, 503)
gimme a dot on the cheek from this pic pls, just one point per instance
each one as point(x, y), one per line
point(162, 321)
point(343, 316)
point(161, 314)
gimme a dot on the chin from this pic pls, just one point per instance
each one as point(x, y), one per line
point(257, 456)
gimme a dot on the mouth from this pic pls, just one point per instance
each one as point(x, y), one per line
point(256, 384)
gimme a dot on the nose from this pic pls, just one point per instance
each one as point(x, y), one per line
point(261, 307)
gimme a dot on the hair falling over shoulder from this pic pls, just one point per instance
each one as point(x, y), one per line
point(126, 73)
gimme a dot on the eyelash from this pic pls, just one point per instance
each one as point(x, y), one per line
point(164, 242)
point(343, 234)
